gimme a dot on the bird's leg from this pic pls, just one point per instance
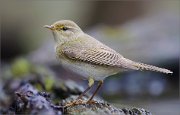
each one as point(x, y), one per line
point(78, 101)
point(99, 85)
point(90, 84)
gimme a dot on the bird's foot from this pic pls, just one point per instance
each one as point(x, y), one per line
point(75, 102)
point(91, 102)
point(79, 102)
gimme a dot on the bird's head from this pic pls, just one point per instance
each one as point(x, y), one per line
point(64, 30)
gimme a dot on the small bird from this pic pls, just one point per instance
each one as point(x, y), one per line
point(89, 57)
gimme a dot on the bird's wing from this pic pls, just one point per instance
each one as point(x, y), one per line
point(108, 58)
point(94, 55)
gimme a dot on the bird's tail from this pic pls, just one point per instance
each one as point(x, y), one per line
point(141, 66)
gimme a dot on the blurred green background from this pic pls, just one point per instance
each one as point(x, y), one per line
point(146, 31)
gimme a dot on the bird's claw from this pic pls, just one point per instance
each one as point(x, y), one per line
point(75, 102)
point(79, 102)
point(91, 102)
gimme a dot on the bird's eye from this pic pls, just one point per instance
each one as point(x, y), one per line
point(64, 28)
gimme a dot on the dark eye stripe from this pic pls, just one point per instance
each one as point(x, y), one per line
point(64, 28)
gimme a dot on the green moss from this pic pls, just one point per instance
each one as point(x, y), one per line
point(20, 67)
point(49, 81)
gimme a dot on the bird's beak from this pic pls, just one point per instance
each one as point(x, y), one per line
point(49, 27)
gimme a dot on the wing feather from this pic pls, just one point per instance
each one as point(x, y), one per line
point(95, 56)
point(108, 58)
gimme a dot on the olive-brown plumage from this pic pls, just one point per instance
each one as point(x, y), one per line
point(87, 56)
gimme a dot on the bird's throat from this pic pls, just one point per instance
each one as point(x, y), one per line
point(58, 38)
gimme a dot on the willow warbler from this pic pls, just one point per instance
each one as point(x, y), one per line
point(89, 57)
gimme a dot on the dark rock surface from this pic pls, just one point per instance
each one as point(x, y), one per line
point(30, 89)
point(29, 101)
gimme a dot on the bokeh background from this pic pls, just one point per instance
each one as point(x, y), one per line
point(145, 31)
